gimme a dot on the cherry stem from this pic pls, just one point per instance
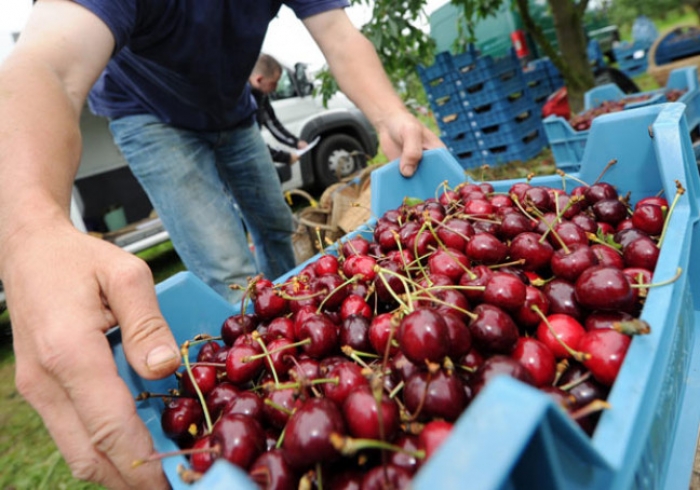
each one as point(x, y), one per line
point(396, 390)
point(579, 356)
point(676, 276)
point(335, 290)
point(636, 326)
point(275, 351)
point(277, 406)
point(319, 477)
point(216, 449)
point(434, 299)
point(353, 354)
point(605, 169)
point(145, 395)
point(576, 382)
point(184, 351)
point(203, 338)
point(349, 446)
point(593, 407)
point(679, 192)
point(268, 356)
point(380, 274)
point(565, 176)
point(312, 382)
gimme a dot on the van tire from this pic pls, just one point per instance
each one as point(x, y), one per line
point(337, 156)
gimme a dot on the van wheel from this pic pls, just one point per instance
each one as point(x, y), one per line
point(337, 156)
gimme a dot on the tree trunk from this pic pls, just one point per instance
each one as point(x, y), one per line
point(576, 69)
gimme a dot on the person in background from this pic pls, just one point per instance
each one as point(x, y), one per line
point(263, 81)
point(171, 75)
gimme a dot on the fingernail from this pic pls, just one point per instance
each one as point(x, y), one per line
point(160, 356)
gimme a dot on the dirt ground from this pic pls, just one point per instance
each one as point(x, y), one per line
point(695, 477)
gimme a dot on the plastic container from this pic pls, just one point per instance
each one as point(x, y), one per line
point(513, 436)
point(568, 145)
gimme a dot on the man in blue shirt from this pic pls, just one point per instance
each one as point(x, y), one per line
point(171, 76)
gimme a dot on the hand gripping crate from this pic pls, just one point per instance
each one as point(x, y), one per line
point(568, 145)
point(513, 436)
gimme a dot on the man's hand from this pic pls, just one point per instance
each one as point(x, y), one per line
point(64, 290)
point(293, 158)
point(302, 144)
point(403, 136)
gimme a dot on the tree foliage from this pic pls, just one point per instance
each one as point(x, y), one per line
point(402, 45)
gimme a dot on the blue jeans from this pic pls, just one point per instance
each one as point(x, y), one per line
point(209, 188)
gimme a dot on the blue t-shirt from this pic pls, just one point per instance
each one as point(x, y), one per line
point(186, 61)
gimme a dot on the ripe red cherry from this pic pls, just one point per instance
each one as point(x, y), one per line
point(271, 471)
point(362, 418)
point(486, 249)
point(439, 395)
point(202, 461)
point(649, 218)
point(604, 288)
point(307, 433)
point(493, 330)
point(326, 264)
point(499, 365)
point(179, 415)
point(611, 211)
point(349, 377)
point(355, 305)
point(323, 335)
point(607, 349)
point(423, 336)
point(505, 291)
point(268, 303)
point(237, 325)
point(240, 368)
point(569, 264)
point(380, 332)
point(530, 247)
point(382, 477)
point(537, 358)
point(204, 376)
point(565, 328)
point(642, 252)
point(448, 262)
point(432, 436)
point(455, 233)
point(526, 316)
point(356, 245)
point(240, 437)
point(362, 266)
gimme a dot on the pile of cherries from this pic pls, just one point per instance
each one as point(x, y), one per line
point(351, 373)
point(583, 120)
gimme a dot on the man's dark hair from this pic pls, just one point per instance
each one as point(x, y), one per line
point(267, 66)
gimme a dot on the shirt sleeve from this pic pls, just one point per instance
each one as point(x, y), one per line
point(267, 117)
point(307, 8)
point(119, 16)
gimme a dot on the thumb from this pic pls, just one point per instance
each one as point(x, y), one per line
point(148, 342)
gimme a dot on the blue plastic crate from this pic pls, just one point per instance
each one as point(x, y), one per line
point(430, 75)
point(513, 436)
point(487, 68)
point(500, 111)
point(493, 90)
point(508, 132)
point(568, 145)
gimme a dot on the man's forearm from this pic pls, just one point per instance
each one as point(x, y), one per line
point(356, 66)
point(39, 146)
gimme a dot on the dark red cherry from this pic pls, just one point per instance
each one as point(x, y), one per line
point(241, 439)
point(307, 434)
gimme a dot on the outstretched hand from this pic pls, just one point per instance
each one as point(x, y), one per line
point(403, 136)
point(65, 290)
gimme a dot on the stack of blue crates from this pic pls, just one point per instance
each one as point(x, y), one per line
point(483, 108)
point(632, 57)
